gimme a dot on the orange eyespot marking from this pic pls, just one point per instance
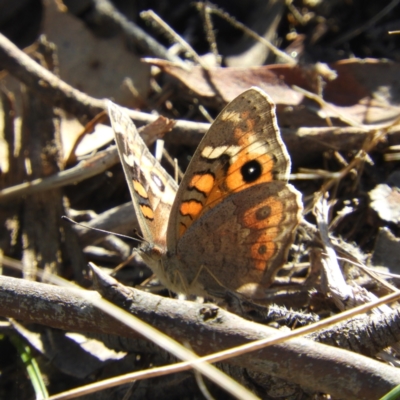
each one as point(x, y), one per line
point(262, 252)
point(264, 218)
point(235, 179)
point(191, 208)
point(252, 152)
point(203, 183)
point(236, 176)
point(147, 211)
point(140, 190)
point(266, 215)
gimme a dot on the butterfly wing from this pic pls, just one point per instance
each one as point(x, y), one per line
point(242, 153)
point(151, 187)
point(242, 242)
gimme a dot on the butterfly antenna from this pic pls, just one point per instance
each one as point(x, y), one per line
point(140, 240)
point(139, 235)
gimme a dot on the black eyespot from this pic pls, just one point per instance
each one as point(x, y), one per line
point(263, 212)
point(251, 171)
point(262, 249)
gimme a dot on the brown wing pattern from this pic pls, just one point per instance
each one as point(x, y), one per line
point(152, 189)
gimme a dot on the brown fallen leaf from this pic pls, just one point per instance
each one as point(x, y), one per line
point(228, 83)
point(363, 90)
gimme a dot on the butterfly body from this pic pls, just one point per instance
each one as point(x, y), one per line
point(232, 220)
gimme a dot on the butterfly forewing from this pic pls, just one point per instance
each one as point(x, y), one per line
point(151, 187)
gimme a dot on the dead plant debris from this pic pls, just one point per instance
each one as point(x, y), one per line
point(332, 69)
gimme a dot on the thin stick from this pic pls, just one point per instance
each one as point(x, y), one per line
point(151, 15)
point(279, 53)
point(205, 12)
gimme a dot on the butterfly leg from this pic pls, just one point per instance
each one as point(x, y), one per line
point(194, 285)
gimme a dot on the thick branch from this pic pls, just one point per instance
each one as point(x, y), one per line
point(335, 371)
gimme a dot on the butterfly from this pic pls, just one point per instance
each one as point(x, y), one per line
point(230, 223)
